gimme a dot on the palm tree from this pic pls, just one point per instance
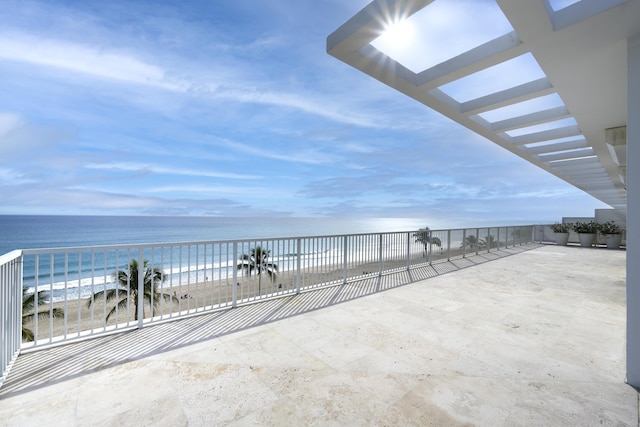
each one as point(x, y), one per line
point(258, 259)
point(518, 234)
point(28, 312)
point(423, 235)
point(470, 242)
point(127, 290)
point(488, 242)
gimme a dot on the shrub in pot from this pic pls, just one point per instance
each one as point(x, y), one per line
point(561, 232)
point(612, 233)
point(586, 232)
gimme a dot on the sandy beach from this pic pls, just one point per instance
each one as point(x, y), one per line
point(180, 300)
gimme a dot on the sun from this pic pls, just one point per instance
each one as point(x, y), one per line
point(397, 35)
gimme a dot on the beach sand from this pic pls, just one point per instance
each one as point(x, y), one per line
point(191, 298)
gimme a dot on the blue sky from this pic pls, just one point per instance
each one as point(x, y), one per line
point(234, 109)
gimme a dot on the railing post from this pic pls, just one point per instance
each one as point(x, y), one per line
point(140, 286)
point(11, 314)
point(429, 241)
point(408, 251)
point(498, 237)
point(492, 239)
point(344, 258)
point(506, 237)
point(464, 243)
point(519, 235)
point(380, 256)
point(298, 264)
point(234, 285)
point(488, 240)
point(35, 299)
point(477, 241)
point(449, 245)
point(14, 278)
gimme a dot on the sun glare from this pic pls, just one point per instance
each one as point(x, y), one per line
point(440, 31)
point(398, 34)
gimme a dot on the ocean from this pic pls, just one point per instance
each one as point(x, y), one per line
point(78, 279)
point(50, 231)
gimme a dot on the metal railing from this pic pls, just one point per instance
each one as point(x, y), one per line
point(80, 292)
point(10, 310)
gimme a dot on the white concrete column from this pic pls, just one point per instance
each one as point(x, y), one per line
point(633, 211)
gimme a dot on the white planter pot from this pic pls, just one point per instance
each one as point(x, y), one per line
point(562, 239)
point(613, 241)
point(586, 239)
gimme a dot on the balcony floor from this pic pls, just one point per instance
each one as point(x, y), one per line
point(534, 338)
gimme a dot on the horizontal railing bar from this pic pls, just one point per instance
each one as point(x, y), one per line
point(10, 256)
point(62, 249)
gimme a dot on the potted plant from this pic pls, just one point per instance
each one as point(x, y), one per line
point(561, 232)
point(612, 233)
point(586, 232)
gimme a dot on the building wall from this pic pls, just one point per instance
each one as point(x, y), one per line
point(633, 211)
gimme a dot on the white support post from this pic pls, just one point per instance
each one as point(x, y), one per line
point(234, 285)
point(140, 287)
point(633, 210)
point(381, 264)
point(464, 243)
point(345, 259)
point(506, 237)
point(477, 241)
point(408, 251)
point(298, 263)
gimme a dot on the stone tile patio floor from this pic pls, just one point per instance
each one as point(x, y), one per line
point(535, 337)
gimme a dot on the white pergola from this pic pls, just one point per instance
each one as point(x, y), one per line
point(577, 118)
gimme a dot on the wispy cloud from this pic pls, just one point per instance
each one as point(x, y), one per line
point(12, 177)
point(8, 122)
point(22, 142)
point(150, 168)
point(264, 192)
point(231, 108)
point(85, 59)
point(295, 154)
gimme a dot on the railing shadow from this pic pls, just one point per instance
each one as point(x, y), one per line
point(66, 362)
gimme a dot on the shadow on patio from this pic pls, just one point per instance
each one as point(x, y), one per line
point(535, 338)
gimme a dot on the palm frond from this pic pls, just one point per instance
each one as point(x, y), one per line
point(56, 313)
point(121, 306)
point(108, 294)
point(28, 314)
point(27, 334)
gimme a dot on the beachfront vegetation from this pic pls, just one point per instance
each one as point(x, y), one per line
point(488, 242)
point(423, 236)
point(29, 311)
point(258, 260)
point(127, 289)
point(471, 242)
